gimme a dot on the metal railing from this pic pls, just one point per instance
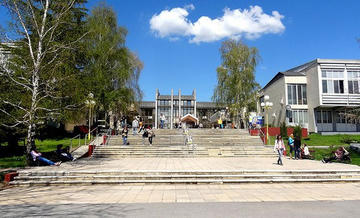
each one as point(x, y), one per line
point(73, 138)
point(262, 136)
point(87, 135)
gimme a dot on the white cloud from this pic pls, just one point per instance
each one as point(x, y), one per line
point(249, 23)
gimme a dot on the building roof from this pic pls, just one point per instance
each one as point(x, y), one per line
point(208, 105)
point(147, 104)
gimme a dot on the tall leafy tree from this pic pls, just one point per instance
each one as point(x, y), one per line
point(236, 85)
point(112, 70)
point(43, 64)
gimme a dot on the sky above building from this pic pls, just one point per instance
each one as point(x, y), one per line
point(179, 41)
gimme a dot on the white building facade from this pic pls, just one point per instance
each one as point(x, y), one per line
point(315, 95)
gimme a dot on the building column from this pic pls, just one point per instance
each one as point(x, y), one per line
point(179, 104)
point(194, 94)
point(172, 109)
point(156, 108)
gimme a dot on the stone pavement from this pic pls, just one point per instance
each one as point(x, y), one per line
point(193, 164)
point(180, 193)
point(185, 193)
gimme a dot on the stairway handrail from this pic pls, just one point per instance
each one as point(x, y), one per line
point(262, 136)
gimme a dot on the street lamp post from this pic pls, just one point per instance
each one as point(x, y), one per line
point(267, 105)
point(90, 103)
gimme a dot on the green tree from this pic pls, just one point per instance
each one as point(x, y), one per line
point(236, 85)
point(112, 71)
point(43, 61)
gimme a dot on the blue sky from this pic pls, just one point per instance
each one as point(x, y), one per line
point(312, 29)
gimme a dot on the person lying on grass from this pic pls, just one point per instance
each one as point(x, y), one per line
point(37, 156)
point(340, 154)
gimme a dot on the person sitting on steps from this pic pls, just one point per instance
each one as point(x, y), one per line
point(305, 154)
point(64, 154)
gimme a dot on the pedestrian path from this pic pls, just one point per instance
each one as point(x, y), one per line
point(187, 170)
point(180, 193)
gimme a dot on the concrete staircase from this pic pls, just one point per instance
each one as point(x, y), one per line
point(30, 178)
point(171, 143)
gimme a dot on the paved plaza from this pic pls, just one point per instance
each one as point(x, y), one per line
point(172, 164)
point(184, 200)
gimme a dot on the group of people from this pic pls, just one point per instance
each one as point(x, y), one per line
point(62, 154)
point(146, 132)
point(300, 152)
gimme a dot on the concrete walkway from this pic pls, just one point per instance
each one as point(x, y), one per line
point(180, 193)
point(173, 164)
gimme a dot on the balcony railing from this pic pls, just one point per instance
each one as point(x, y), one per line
point(340, 99)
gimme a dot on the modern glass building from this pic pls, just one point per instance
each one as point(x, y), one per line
point(315, 95)
point(174, 107)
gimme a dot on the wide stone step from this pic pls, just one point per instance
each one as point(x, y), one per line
point(183, 172)
point(186, 177)
point(123, 182)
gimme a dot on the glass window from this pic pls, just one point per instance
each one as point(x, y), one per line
point(297, 94)
point(318, 117)
point(326, 117)
point(290, 100)
point(350, 87)
point(304, 95)
point(330, 86)
point(297, 116)
point(324, 86)
point(336, 86)
point(339, 118)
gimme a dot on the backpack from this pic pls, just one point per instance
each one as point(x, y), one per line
point(145, 134)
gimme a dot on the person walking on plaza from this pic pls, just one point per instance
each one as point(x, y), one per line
point(124, 134)
point(144, 136)
point(141, 125)
point(220, 123)
point(291, 145)
point(162, 121)
point(297, 147)
point(151, 134)
point(135, 124)
point(279, 148)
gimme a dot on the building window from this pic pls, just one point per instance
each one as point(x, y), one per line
point(297, 116)
point(332, 81)
point(339, 118)
point(353, 81)
point(323, 117)
point(297, 94)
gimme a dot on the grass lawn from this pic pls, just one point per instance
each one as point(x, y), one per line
point(50, 144)
point(9, 162)
point(43, 146)
point(323, 140)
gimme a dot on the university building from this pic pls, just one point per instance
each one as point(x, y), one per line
point(177, 107)
point(315, 95)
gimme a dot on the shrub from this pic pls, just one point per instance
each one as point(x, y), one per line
point(283, 130)
point(297, 132)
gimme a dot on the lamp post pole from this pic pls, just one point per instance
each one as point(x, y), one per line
point(267, 105)
point(91, 103)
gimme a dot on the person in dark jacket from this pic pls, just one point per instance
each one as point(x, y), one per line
point(124, 134)
point(297, 147)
